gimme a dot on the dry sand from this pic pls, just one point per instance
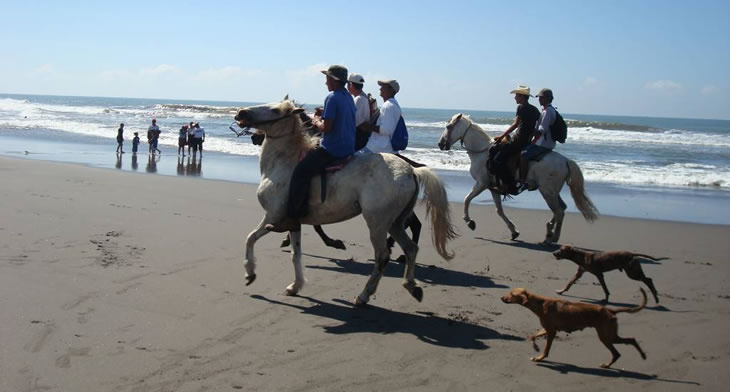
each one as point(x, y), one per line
point(114, 281)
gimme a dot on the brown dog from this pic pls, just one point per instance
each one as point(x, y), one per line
point(558, 315)
point(600, 262)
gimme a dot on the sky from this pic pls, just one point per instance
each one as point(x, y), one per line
point(636, 58)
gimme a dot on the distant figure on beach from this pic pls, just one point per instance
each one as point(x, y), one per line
point(153, 136)
point(390, 114)
point(355, 83)
point(191, 136)
point(542, 141)
point(338, 141)
point(182, 140)
point(120, 139)
point(199, 139)
point(135, 143)
point(524, 123)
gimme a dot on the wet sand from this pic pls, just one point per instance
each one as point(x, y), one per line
point(117, 281)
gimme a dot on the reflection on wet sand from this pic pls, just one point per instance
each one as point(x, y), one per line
point(190, 166)
point(152, 163)
point(118, 165)
point(134, 162)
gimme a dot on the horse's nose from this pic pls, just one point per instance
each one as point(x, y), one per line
point(241, 115)
point(443, 146)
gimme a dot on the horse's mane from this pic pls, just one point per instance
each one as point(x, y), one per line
point(476, 126)
point(303, 137)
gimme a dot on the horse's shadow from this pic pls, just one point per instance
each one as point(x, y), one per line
point(426, 273)
point(524, 245)
point(427, 327)
point(565, 368)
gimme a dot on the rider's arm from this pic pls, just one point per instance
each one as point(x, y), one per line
point(510, 129)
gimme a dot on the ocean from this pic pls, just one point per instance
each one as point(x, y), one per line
point(669, 161)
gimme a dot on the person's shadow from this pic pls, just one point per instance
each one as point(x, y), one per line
point(427, 327)
point(430, 274)
point(565, 368)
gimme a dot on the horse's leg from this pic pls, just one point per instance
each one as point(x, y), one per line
point(415, 225)
point(296, 258)
point(250, 262)
point(382, 256)
point(337, 244)
point(410, 250)
point(500, 211)
point(478, 188)
point(285, 242)
point(553, 226)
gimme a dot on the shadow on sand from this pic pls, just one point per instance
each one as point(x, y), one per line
point(430, 274)
point(565, 368)
point(524, 245)
point(428, 328)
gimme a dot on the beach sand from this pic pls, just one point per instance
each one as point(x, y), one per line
point(120, 281)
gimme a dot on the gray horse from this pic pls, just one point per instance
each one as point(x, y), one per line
point(381, 187)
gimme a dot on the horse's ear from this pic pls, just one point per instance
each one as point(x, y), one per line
point(286, 97)
point(458, 117)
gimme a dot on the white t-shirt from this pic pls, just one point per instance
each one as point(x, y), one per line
point(546, 120)
point(363, 109)
point(389, 115)
point(199, 133)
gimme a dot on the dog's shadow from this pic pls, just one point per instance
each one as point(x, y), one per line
point(430, 274)
point(427, 327)
point(566, 368)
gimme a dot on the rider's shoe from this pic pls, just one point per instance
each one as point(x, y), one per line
point(288, 224)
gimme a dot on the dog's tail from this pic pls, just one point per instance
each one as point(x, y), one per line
point(650, 257)
point(636, 309)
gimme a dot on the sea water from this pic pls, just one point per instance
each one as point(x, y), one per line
point(679, 169)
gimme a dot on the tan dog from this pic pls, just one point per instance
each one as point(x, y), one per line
point(600, 262)
point(558, 315)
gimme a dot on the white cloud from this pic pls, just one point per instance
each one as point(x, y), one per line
point(227, 73)
point(590, 81)
point(663, 85)
point(162, 69)
point(708, 90)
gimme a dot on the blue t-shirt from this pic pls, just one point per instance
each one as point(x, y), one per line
point(340, 108)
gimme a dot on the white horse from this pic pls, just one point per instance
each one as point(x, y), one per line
point(381, 187)
point(547, 175)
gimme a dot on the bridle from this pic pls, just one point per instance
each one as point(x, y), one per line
point(247, 128)
point(463, 136)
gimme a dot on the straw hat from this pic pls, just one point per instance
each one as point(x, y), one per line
point(522, 90)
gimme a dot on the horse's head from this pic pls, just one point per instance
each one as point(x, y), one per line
point(265, 117)
point(454, 131)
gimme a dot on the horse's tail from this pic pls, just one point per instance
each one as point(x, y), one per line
point(577, 190)
point(437, 208)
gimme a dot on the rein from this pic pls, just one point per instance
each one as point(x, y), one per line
point(464, 136)
point(247, 128)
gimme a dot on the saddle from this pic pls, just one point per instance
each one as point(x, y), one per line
point(512, 166)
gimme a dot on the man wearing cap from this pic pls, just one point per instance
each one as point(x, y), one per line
point(543, 141)
point(390, 113)
point(338, 141)
point(153, 136)
point(524, 123)
point(362, 107)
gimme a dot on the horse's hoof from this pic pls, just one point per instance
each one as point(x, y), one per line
point(515, 235)
point(250, 279)
point(291, 290)
point(472, 225)
point(284, 244)
point(338, 244)
point(417, 293)
point(360, 302)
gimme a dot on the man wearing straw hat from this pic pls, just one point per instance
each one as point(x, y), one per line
point(524, 123)
point(338, 141)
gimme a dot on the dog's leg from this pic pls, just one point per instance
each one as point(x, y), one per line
point(550, 336)
point(539, 333)
point(575, 278)
point(635, 272)
point(599, 275)
point(608, 334)
point(632, 341)
point(650, 284)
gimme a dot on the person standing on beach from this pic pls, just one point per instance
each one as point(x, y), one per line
point(524, 123)
point(337, 124)
point(191, 136)
point(153, 135)
point(120, 139)
point(199, 139)
point(182, 140)
point(542, 141)
point(390, 114)
point(362, 107)
point(135, 143)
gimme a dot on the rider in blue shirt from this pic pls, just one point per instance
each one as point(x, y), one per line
point(338, 127)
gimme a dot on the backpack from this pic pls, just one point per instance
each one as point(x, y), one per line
point(399, 139)
point(559, 129)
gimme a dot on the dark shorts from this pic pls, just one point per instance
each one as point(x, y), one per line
point(181, 142)
point(533, 151)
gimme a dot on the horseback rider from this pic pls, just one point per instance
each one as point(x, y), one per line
point(543, 141)
point(524, 123)
point(337, 124)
